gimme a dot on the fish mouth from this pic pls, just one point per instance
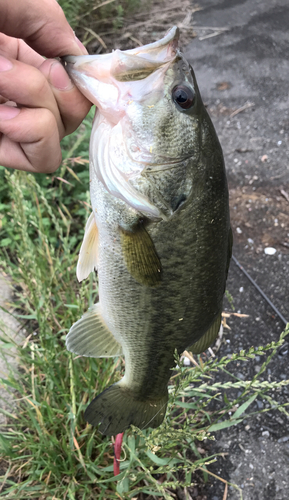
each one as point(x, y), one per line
point(160, 51)
point(107, 79)
point(112, 82)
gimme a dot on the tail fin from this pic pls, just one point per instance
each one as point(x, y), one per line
point(116, 408)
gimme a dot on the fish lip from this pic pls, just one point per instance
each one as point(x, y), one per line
point(171, 37)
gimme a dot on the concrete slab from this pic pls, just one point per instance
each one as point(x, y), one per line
point(9, 329)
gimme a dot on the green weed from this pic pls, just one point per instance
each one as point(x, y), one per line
point(88, 13)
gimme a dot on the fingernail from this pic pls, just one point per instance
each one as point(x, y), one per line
point(59, 78)
point(81, 46)
point(8, 112)
point(5, 64)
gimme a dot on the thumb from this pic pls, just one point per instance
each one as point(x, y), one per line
point(42, 24)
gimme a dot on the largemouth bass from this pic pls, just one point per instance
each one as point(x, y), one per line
point(159, 234)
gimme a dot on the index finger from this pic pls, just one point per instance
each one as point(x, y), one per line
point(41, 24)
point(15, 48)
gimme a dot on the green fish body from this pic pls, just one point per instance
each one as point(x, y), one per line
point(159, 234)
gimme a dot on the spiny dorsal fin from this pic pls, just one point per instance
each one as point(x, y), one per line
point(90, 337)
point(208, 338)
point(140, 255)
point(87, 260)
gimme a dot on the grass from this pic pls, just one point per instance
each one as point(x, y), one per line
point(86, 14)
point(47, 449)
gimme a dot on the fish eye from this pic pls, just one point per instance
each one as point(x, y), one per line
point(183, 96)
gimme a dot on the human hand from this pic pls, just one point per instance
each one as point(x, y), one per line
point(49, 106)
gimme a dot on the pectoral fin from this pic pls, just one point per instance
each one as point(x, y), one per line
point(87, 260)
point(208, 338)
point(140, 256)
point(90, 336)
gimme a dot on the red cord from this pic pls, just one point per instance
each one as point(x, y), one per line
point(117, 452)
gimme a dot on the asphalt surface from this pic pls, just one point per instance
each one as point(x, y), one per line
point(246, 65)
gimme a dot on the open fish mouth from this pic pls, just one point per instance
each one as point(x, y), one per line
point(140, 61)
point(121, 85)
point(105, 79)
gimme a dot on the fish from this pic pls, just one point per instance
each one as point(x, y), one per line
point(159, 233)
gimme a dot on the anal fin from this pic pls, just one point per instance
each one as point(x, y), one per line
point(140, 256)
point(87, 260)
point(90, 337)
point(208, 338)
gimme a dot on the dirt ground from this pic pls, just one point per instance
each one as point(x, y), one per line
point(242, 73)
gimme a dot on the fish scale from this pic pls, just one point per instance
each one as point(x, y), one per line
point(160, 231)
